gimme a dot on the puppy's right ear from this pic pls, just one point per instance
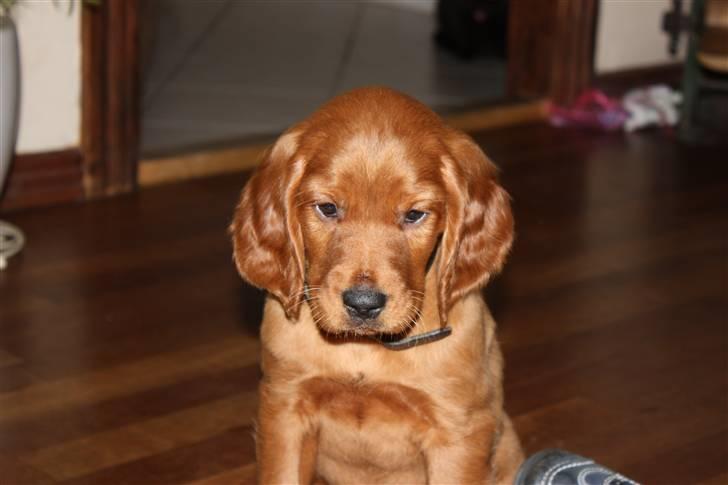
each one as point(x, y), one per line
point(479, 224)
point(267, 240)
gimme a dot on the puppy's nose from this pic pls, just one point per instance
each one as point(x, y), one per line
point(364, 302)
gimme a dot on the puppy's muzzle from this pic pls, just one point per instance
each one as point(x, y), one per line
point(363, 303)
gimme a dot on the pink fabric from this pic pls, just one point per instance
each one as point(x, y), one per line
point(592, 109)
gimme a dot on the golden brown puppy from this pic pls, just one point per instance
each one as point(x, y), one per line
point(370, 224)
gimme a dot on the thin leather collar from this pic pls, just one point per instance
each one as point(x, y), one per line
point(407, 342)
point(415, 340)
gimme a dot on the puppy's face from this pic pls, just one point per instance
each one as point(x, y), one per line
point(352, 207)
point(371, 209)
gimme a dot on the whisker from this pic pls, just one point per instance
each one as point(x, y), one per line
point(306, 293)
point(318, 317)
point(417, 316)
point(413, 306)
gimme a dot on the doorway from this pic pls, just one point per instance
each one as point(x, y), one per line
point(550, 54)
point(228, 72)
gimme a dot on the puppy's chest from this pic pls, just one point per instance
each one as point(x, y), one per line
point(368, 423)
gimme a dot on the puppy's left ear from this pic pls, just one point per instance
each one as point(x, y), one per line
point(479, 224)
point(267, 239)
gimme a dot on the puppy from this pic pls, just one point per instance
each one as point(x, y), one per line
point(372, 226)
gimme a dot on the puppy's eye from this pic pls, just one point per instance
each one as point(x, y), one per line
point(327, 210)
point(414, 216)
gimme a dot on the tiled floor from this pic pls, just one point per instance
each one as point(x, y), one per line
point(219, 71)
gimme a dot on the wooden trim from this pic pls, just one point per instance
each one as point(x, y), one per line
point(236, 159)
point(43, 179)
point(200, 164)
point(110, 99)
point(551, 46)
point(573, 50)
point(619, 82)
point(498, 116)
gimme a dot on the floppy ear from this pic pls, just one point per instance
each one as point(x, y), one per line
point(478, 227)
point(267, 240)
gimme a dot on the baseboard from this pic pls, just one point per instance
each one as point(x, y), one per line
point(46, 178)
point(200, 164)
point(240, 158)
point(619, 82)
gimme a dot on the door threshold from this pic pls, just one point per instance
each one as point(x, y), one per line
point(246, 156)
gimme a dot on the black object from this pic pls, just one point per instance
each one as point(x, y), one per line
point(469, 28)
point(673, 23)
point(559, 467)
point(415, 340)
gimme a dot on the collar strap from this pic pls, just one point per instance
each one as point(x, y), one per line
point(415, 340)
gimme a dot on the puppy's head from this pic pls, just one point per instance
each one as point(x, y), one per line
point(354, 206)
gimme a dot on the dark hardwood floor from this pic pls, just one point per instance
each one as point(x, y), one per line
point(128, 347)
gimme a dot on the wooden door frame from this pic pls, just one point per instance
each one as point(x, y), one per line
point(105, 162)
point(551, 48)
point(551, 51)
point(550, 59)
point(110, 97)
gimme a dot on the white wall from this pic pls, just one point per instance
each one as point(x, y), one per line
point(50, 54)
point(629, 35)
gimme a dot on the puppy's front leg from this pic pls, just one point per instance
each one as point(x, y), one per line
point(285, 450)
point(458, 464)
point(464, 459)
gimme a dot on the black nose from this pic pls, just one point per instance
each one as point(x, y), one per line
point(364, 302)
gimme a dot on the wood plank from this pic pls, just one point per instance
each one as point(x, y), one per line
point(125, 379)
point(7, 359)
point(700, 461)
point(145, 438)
point(499, 116)
point(721, 479)
point(223, 451)
point(201, 164)
point(15, 377)
point(15, 472)
point(36, 179)
point(75, 422)
point(241, 475)
point(585, 306)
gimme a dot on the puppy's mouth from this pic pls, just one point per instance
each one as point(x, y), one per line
point(361, 311)
point(359, 326)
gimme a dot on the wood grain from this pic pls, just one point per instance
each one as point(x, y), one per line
point(128, 347)
point(38, 179)
point(7, 359)
point(129, 378)
point(551, 48)
point(140, 439)
point(110, 113)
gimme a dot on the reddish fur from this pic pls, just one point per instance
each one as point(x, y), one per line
point(335, 406)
